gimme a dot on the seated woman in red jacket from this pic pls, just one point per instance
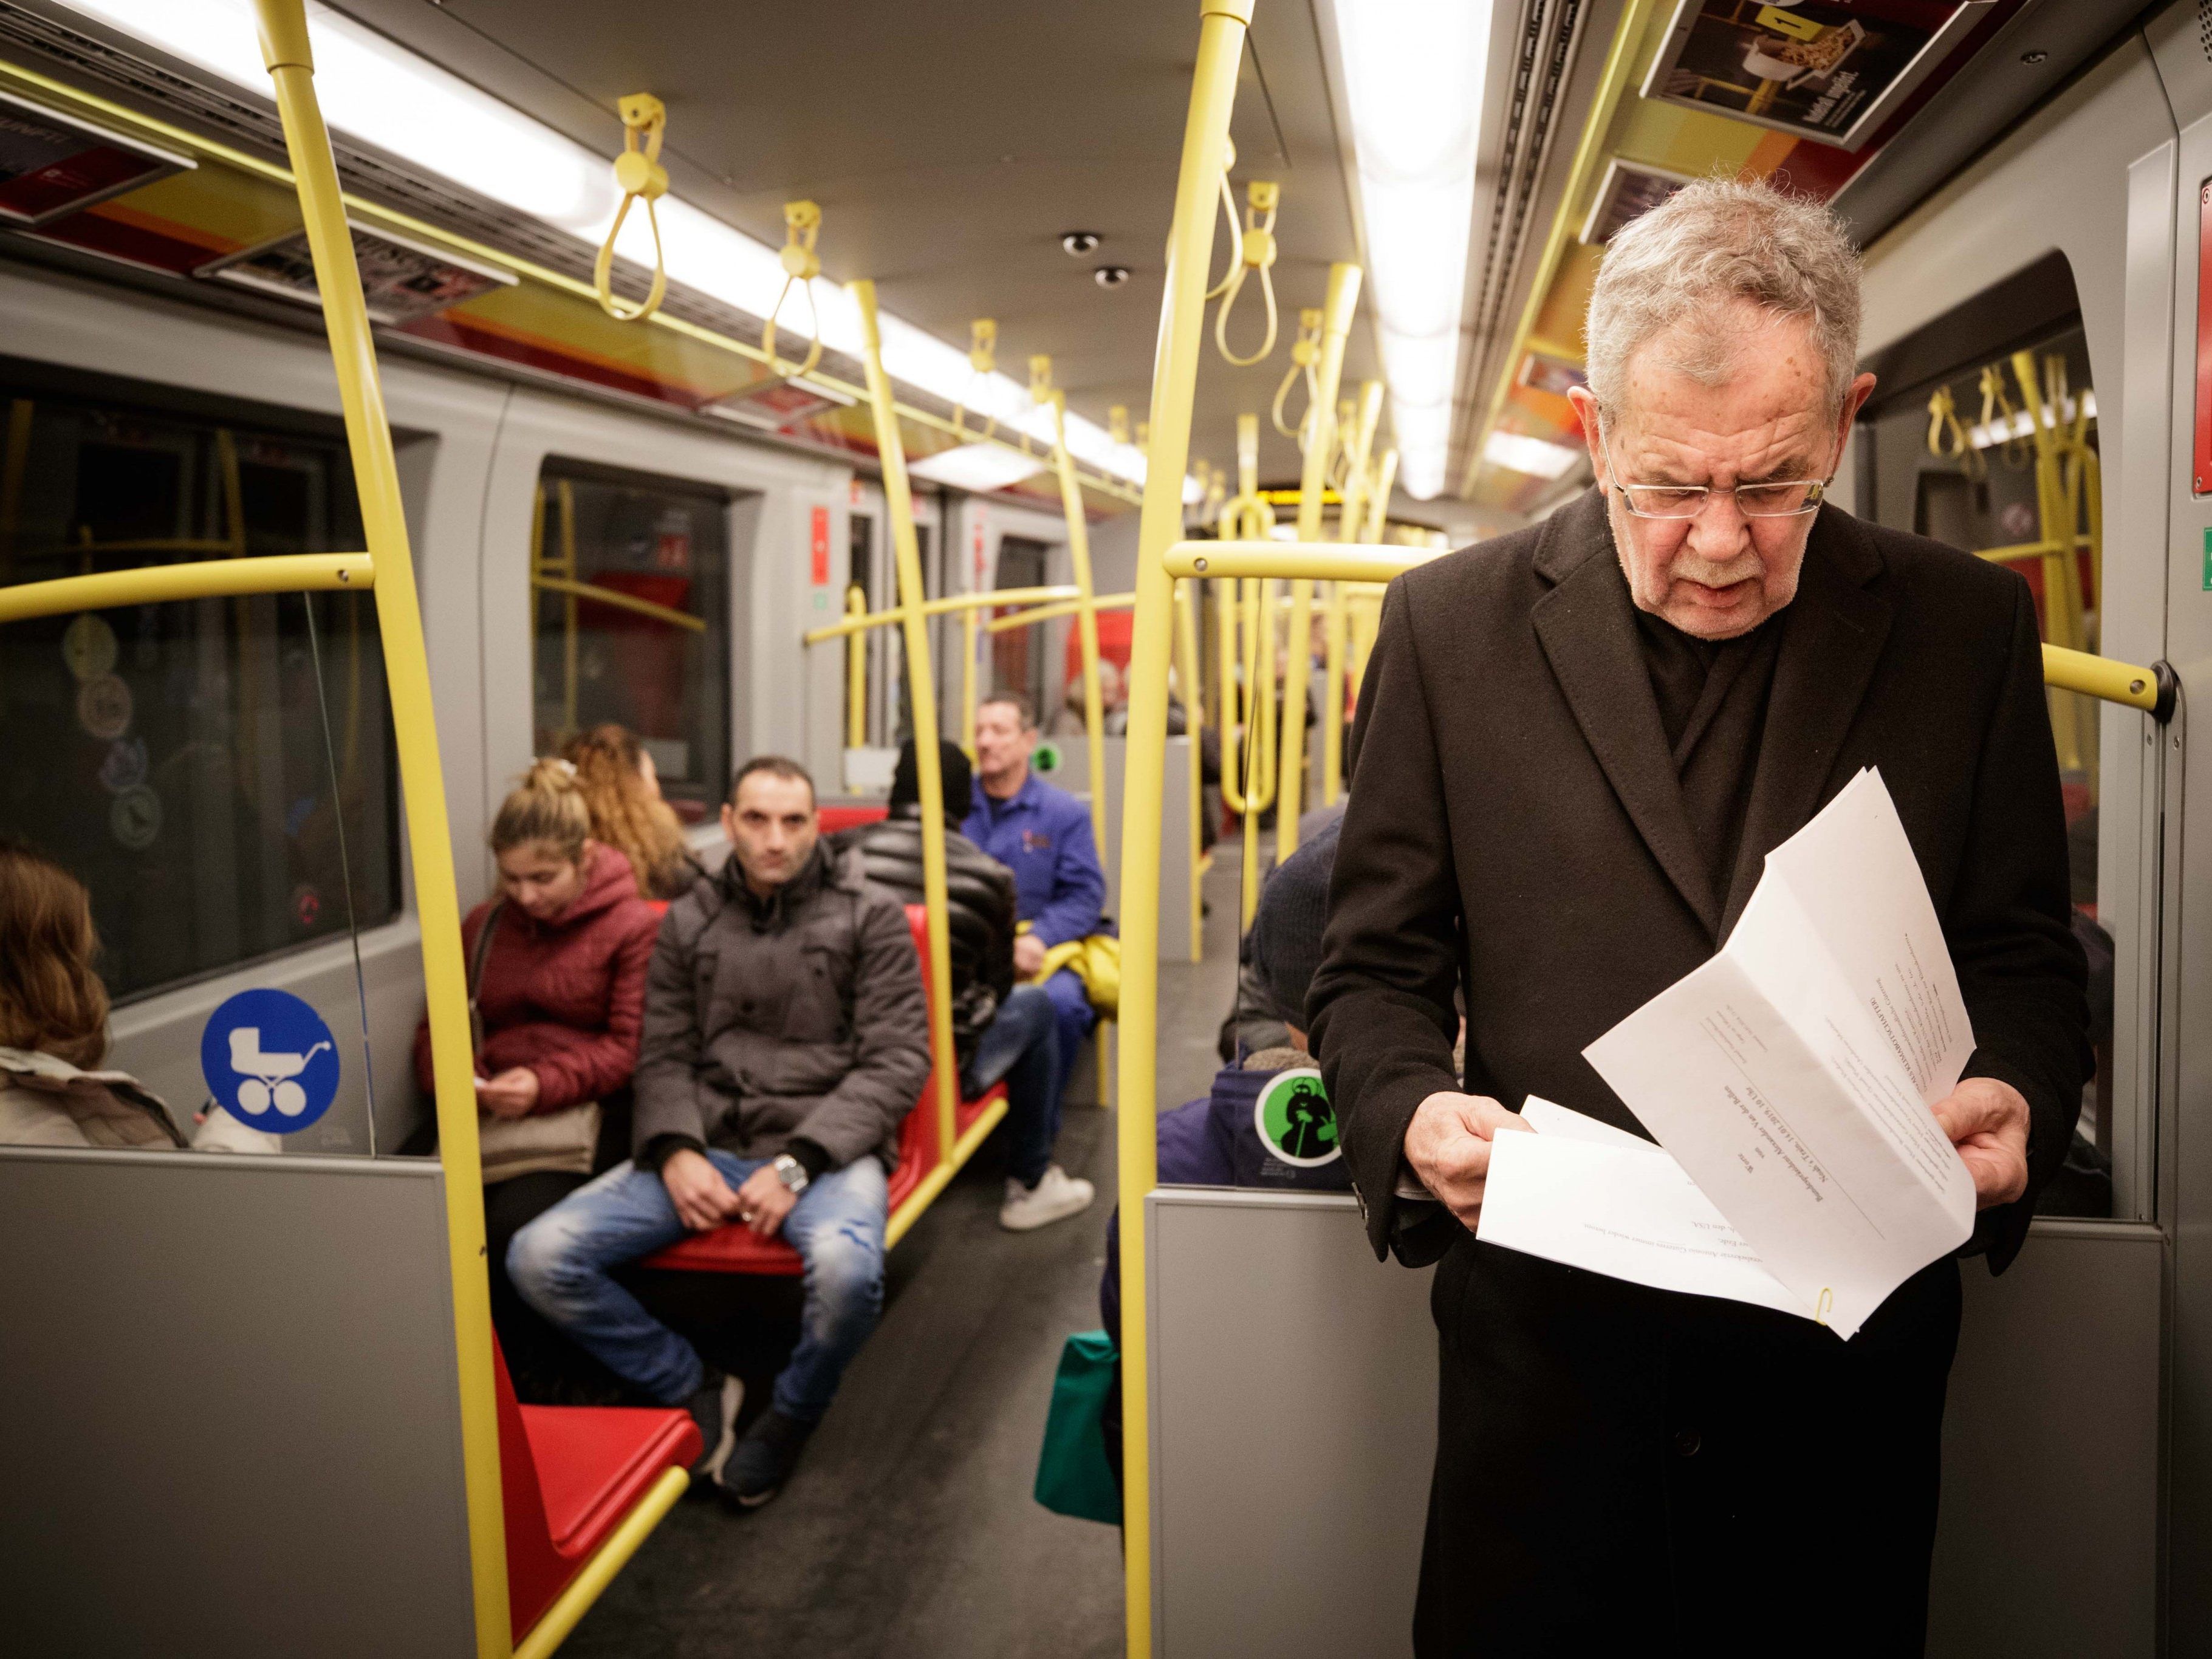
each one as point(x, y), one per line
point(557, 966)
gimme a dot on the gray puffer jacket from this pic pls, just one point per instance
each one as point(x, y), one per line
point(799, 1017)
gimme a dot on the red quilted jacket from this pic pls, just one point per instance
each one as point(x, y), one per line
point(565, 998)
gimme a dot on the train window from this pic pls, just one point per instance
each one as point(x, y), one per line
point(653, 652)
point(178, 758)
point(1999, 457)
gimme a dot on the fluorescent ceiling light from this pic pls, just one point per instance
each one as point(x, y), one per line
point(378, 91)
point(1413, 74)
point(979, 467)
point(1518, 452)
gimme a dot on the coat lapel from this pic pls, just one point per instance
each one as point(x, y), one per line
point(1587, 627)
point(1832, 637)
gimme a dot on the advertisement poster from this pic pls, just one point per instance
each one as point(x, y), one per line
point(1824, 69)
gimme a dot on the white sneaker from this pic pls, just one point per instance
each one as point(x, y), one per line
point(1057, 1196)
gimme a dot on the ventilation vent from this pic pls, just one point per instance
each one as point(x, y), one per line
point(2204, 27)
point(221, 112)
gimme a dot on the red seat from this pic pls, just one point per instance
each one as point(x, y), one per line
point(830, 819)
point(568, 1476)
point(737, 1250)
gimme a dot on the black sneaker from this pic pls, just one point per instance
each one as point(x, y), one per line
point(714, 1407)
point(763, 1460)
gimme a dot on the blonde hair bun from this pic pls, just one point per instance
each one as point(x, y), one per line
point(546, 804)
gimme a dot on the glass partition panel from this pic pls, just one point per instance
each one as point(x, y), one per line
point(1974, 460)
point(654, 654)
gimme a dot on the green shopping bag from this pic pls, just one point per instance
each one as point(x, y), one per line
point(1073, 1477)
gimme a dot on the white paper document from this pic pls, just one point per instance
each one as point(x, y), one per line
point(1588, 1196)
point(1791, 1076)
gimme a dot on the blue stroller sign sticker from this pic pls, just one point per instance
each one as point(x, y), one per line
point(270, 1058)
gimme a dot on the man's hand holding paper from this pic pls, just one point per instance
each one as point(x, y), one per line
point(1807, 1079)
point(1448, 1148)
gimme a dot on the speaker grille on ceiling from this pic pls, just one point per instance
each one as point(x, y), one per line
point(2204, 27)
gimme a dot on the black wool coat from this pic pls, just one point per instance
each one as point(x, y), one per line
point(1621, 1469)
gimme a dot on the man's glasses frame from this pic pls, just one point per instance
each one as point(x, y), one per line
point(1680, 501)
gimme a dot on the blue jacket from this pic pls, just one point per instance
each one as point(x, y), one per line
point(1043, 836)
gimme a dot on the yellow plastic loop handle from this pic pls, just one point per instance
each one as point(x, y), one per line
point(982, 359)
point(1235, 271)
point(1305, 352)
point(1259, 255)
point(1117, 423)
point(2017, 449)
point(802, 225)
point(641, 178)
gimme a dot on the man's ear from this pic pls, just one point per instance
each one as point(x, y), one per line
point(1854, 400)
point(1585, 405)
point(729, 824)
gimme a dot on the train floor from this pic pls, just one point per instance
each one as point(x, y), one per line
point(909, 1528)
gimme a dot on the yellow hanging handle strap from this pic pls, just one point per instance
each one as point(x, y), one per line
point(1305, 352)
point(1234, 274)
point(1259, 254)
point(1998, 416)
point(982, 358)
point(802, 225)
point(1947, 438)
point(641, 177)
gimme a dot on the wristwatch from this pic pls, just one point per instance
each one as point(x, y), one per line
point(790, 1172)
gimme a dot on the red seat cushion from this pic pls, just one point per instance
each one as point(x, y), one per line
point(731, 1249)
point(595, 1461)
point(568, 1476)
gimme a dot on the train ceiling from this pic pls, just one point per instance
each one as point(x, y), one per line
point(952, 149)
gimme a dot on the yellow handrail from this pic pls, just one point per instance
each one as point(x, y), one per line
point(659, 613)
point(985, 600)
point(209, 579)
point(1087, 611)
point(929, 772)
point(1188, 684)
point(1223, 25)
point(1319, 433)
point(856, 672)
point(641, 178)
point(1045, 613)
point(285, 51)
point(574, 1601)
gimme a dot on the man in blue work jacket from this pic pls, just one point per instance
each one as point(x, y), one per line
point(1042, 834)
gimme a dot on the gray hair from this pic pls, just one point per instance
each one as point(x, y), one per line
point(1713, 242)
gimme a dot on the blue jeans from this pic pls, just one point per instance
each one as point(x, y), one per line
point(560, 1264)
point(1073, 1014)
point(1021, 1048)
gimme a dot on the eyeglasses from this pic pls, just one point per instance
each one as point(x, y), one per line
point(1783, 499)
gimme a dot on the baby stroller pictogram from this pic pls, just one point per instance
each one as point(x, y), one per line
point(267, 1078)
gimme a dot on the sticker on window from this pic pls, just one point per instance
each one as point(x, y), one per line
point(268, 1058)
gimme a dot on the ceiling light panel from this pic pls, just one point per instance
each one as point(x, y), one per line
point(1539, 458)
point(1413, 75)
point(379, 92)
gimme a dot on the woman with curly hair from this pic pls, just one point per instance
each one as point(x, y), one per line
point(622, 792)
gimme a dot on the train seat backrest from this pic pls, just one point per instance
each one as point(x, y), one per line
point(568, 1476)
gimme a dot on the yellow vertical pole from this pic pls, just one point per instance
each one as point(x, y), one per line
point(285, 51)
point(856, 671)
point(1222, 28)
point(1342, 300)
point(1194, 725)
point(1264, 788)
point(1378, 498)
point(969, 621)
point(570, 647)
point(899, 502)
point(1086, 617)
point(1356, 448)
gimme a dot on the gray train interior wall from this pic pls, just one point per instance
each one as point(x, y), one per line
point(1294, 1423)
point(233, 1419)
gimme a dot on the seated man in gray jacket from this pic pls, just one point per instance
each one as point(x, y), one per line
point(786, 1036)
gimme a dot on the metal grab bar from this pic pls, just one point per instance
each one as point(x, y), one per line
point(210, 578)
point(945, 606)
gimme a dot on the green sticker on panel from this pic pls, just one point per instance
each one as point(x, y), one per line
point(2207, 561)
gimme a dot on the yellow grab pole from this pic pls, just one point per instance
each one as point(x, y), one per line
point(1086, 616)
point(856, 672)
point(968, 620)
point(284, 49)
point(1313, 481)
point(988, 600)
point(1378, 499)
point(1193, 727)
point(1262, 788)
point(1222, 28)
point(929, 773)
point(1349, 522)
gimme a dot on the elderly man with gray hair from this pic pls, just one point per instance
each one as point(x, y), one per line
point(1576, 745)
